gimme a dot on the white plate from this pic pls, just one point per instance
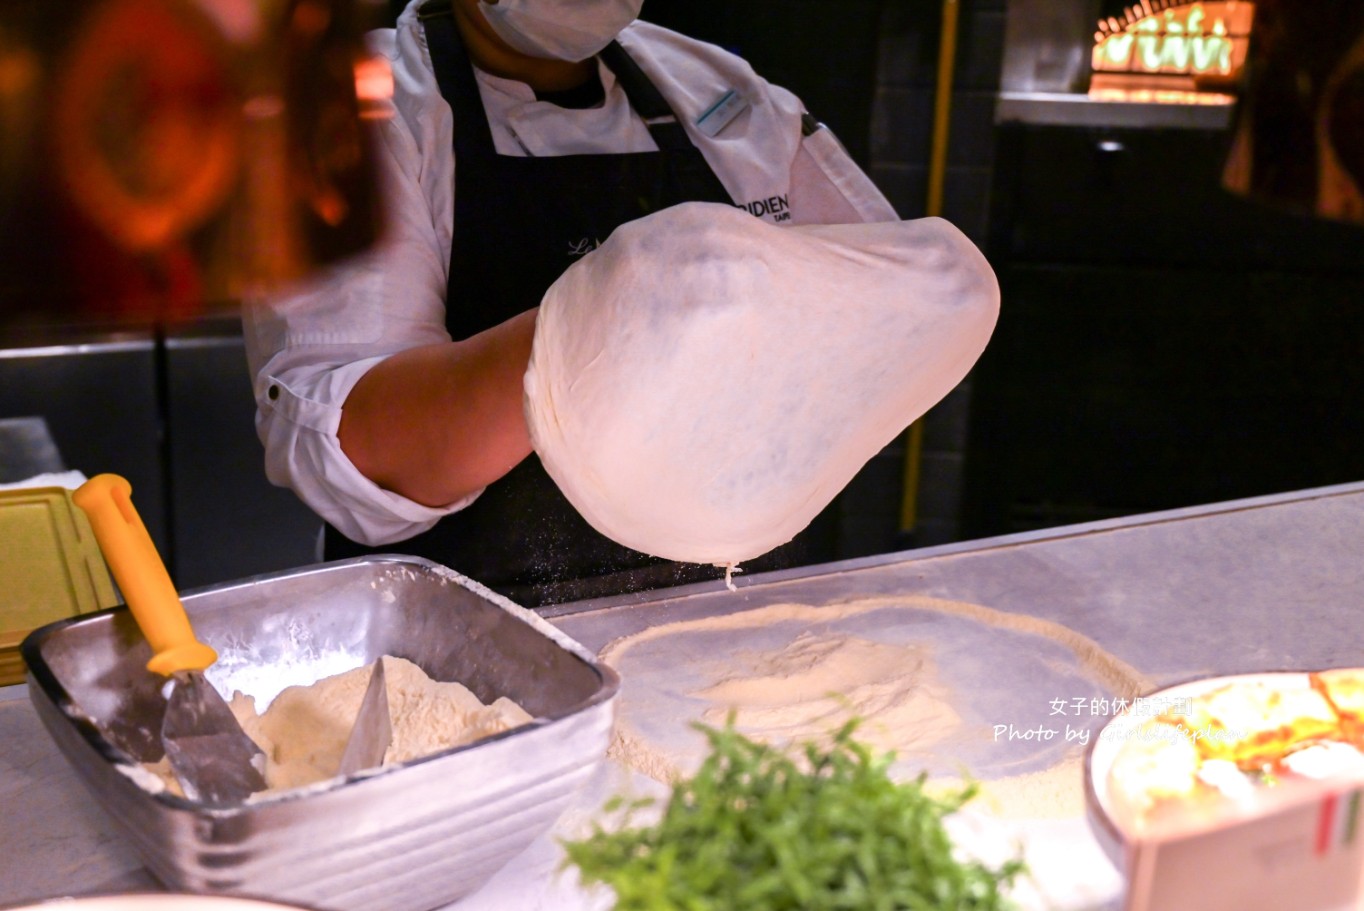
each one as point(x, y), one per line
point(1104, 749)
point(156, 902)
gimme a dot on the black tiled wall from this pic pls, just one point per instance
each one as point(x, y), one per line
point(901, 139)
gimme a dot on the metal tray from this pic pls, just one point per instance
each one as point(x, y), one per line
point(408, 837)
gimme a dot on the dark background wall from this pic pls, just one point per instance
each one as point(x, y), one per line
point(902, 123)
point(1162, 342)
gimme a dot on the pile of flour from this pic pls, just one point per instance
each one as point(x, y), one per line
point(304, 731)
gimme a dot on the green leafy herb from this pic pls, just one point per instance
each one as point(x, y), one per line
point(756, 830)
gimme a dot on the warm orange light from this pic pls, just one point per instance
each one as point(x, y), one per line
point(1168, 37)
point(373, 86)
point(1141, 95)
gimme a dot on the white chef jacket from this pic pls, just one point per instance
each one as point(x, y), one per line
point(308, 346)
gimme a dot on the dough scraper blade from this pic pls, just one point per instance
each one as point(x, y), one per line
point(214, 759)
point(373, 730)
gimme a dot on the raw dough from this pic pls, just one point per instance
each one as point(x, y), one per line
point(704, 383)
point(304, 730)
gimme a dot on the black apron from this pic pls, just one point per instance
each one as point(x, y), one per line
point(518, 224)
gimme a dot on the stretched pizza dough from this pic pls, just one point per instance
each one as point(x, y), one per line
point(704, 383)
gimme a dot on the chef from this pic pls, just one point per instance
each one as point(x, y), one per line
point(522, 132)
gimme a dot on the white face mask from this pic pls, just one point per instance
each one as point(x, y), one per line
point(560, 29)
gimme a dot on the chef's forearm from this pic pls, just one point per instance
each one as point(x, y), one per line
point(439, 422)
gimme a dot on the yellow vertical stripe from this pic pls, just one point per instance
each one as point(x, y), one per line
point(937, 175)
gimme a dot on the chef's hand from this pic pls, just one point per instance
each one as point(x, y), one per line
point(439, 422)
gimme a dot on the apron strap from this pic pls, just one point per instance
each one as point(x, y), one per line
point(447, 53)
point(645, 98)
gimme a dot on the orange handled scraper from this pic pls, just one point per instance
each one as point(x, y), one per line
point(214, 759)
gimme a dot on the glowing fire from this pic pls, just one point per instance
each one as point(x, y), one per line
point(1173, 37)
point(373, 87)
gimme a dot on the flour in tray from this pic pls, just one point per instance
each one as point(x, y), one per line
point(305, 729)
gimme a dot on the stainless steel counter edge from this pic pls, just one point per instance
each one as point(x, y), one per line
point(1073, 109)
point(1002, 542)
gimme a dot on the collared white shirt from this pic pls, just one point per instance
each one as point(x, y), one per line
point(308, 347)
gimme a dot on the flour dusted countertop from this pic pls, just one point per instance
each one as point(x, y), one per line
point(1255, 585)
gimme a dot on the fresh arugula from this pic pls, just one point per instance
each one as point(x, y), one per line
point(756, 830)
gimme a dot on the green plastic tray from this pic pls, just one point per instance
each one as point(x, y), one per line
point(50, 568)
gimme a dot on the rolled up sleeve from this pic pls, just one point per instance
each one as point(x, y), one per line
point(827, 186)
point(308, 345)
point(297, 420)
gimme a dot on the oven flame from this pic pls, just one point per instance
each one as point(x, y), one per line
point(1168, 37)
